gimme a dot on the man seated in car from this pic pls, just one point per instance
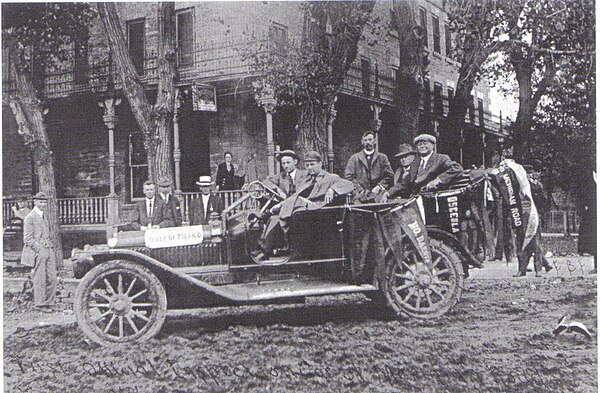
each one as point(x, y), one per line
point(318, 188)
point(430, 171)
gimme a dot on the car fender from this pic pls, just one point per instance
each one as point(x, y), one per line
point(453, 242)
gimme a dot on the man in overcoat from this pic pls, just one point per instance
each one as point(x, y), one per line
point(207, 203)
point(318, 189)
point(430, 171)
point(38, 252)
point(369, 170)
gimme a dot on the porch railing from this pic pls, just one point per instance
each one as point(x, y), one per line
point(228, 198)
point(71, 211)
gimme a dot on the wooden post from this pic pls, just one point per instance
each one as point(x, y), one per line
point(376, 123)
point(110, 120)
point(176, 148)
point(266, 99)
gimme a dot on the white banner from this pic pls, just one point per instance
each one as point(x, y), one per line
point(172, 237)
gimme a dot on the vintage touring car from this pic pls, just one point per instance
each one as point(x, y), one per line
point(381, 250)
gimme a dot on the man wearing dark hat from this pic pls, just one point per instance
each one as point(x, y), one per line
point(207, 203)
point(369, 170)
point(148, 213)
point(285, 182)
point(172, 212)
point(406, 155)
point(38, 252)
point(429, 172)
point(318, 188)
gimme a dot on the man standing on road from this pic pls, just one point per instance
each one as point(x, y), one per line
point(370, 171)
point(38, 252)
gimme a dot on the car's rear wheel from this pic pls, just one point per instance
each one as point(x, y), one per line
point(120, 302)
point(414, 289)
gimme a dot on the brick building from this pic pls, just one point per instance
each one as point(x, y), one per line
point(211, 37)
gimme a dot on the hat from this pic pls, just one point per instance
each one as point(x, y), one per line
point(42, 196)
point(204, 181)
point(405, 149)
point(312, 156)
point(164, 182)
point(426, 138)
point(287, 153)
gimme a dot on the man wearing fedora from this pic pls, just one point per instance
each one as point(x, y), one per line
point(286, 182)
point(172, 212)
point(318, 189)
point(149, 213)
point(430, 171)
point(202, 207)
point(369, 170)
point(406, 154)
point(38, 252)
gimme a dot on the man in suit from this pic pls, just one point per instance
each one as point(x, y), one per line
point(172, 213)
point(202, 207)
point(149, 213)
point(285, 182)
point(38, 252)
point(370, 171)
point(318, 189)
point(429, 172)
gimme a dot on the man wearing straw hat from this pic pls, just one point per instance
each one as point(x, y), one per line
point(202, 207)
point(38, 252)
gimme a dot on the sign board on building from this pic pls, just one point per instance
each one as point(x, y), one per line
point(204, 98)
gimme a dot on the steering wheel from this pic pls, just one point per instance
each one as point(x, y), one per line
point(258, 190)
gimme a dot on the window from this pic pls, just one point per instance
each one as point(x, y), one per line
point(436, 33)
point(438, 101)
point(365, 72)
point(185, 37)
point(136, 37)
point(278, 38)
point(450, 93)
point(138, 165)
point(423, 19)
point(448, 38)
point(80, 61)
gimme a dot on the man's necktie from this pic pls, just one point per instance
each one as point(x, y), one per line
point(308, 190)
point(421, 167)
point(292, 185)
point(150, 211)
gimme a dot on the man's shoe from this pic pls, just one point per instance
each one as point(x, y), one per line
point(520, 274)
point(548, 268)
point(259, 256)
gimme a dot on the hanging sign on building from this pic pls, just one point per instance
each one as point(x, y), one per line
point(204, 98)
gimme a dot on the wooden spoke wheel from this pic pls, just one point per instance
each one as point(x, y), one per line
point(120, 302)
point(412, 288)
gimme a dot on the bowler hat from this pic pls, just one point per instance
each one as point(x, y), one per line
point(42, 196)
point(287, 153)
point(204, 181)
point(312, 156)
point(405, 149)
point(164, 182)
point(426, 138)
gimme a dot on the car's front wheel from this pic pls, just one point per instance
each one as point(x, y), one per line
point(120, 302)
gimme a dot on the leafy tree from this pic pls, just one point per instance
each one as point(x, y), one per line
point(35, 33)
point(155, 121)
point(309, 75)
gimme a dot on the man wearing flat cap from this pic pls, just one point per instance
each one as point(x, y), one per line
point(406, 154)
point(318, 189)
point(369, 170)
point(286, 182)
point(38, 252)
point(172, 212)
point(206, 204)
point(430, 171)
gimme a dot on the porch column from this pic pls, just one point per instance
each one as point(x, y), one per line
point(330, 120)
point(110, 120)
point(268, 104)
point(176, 148)
point(376, 123)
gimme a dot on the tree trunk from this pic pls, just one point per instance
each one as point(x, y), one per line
point(312, 131)
point(521, 128)
point(410, 73)
point(27, 109)
point(155, 122)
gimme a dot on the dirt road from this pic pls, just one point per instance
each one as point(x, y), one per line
point(497, 339)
